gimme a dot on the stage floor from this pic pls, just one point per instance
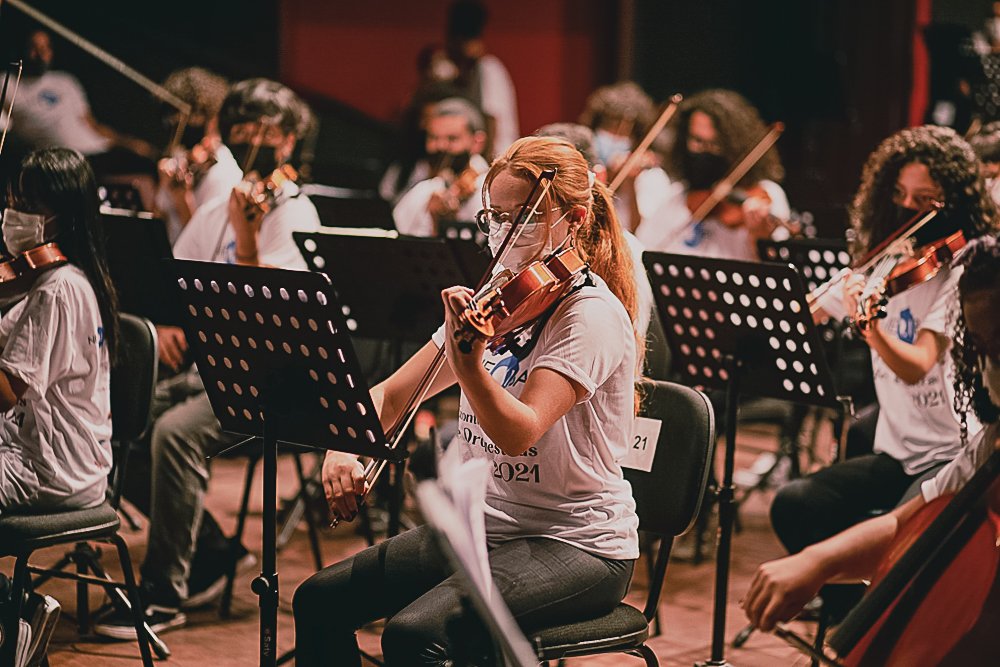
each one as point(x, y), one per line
point(685, 608)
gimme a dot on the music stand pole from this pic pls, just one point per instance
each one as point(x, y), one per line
point(276, 358)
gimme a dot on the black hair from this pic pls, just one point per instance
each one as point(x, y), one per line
point(256, 99)
point(466, 19)
point(986, 142)
point(61, 180)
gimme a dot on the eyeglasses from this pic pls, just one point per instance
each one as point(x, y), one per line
point(492, 220)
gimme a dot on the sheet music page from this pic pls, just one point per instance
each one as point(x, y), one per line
point(465, 484)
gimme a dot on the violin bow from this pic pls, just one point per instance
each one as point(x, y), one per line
point(111, 61)
point(395, 432)
point(13, 96)
point(722, 189)
point(646, 142)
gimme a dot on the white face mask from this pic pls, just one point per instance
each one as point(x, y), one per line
point(534, 242)
point(991, 380)
point(609, 146)
point(22, 231)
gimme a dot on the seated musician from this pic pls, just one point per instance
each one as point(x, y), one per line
point(456, 135)
point(913, 430)
point(619, 116)
point(781, 587)
point(188, 556)
point(564, 419)
point(58, 343)
point(714, 130)
point(201, 168)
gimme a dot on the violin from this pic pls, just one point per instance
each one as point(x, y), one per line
point(17, 275)
point(444, 205)
point(264, 193)
point(188, 168)
point(729, 209)
point(510, 303)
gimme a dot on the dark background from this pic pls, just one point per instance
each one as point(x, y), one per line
point(838, 73)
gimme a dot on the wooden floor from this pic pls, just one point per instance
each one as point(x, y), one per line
point(207, 641)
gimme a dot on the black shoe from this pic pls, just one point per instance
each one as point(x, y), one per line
point(118, 624)
point(208, 575)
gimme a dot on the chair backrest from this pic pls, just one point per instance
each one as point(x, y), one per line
point(669, 497)
point(133, 379)
point(658, 355)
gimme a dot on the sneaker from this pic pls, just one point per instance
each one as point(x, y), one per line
point(208, 576)
point(42, 611)
point(118, 623)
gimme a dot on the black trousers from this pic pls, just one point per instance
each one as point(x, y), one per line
point(544, 583)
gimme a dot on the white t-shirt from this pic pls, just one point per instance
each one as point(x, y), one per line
point(58, 436)
point(498, 100)
point(208, 236)
point(568, 486)
point(952, 477)
point(411, 215)
point(917, 424)
point(668, 228)
point(220, 179)
point(51, 110)
point(651, 190)
point(643, 290)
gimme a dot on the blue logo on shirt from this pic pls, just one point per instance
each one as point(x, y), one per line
point(697, 235)
point(100, 337)
point(49, 97)
point(906, 329)
point(511, 366)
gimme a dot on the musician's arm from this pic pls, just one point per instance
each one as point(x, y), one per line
point(12, 388)
point(909, 361)
point(781, 588)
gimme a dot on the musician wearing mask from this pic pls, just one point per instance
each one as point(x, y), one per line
point(914, 429)
point(188, 555)
point(455, 139)
point(619, 116)
point(199, 167)
point(714, 130)
point(572, 511)
point(986, 144)
point(780, 588)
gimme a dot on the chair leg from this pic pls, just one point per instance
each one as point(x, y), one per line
point(80, 556)
point(647, 654)
point(225, 607)
point(133, 593)
point(824, 621)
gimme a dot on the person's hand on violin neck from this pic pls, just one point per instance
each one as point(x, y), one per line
point(468, 364)
point(443, 205)
point(757, 216)
point(246, 218)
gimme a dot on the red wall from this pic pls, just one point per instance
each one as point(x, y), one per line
point(364, 53)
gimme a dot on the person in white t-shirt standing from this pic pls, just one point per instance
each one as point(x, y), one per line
point(713, 130)
point(188, 556)
point(57, 343)
point(201, 168)
point(916, 427)
point(782, 587)
point(553, 418)
point(456, 136)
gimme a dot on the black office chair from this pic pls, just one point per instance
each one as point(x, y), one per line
point(667, 500)
point(132, 382)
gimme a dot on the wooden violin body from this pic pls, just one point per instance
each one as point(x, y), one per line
point(264, 193)
point(729, 210)
point(510, 302)
point(19, 274)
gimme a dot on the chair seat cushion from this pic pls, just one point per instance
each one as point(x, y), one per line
point(20, 533)
point(623, 628)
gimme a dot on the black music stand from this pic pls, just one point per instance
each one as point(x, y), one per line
point(463, 231)
point(390, 287)
point(744, 327)
point(135, 243)
point(277, 362)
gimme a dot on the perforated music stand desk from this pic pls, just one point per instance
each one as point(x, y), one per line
point(391, 285)
point(273, 351)
point(744, 327)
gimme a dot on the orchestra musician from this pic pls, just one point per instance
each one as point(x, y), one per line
point(914, 429)
point(572, 512)
point(200, 168)
point(58, 343)
point(714, 129)
point(780, 588)
point(188, 555)
point(456, 136)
